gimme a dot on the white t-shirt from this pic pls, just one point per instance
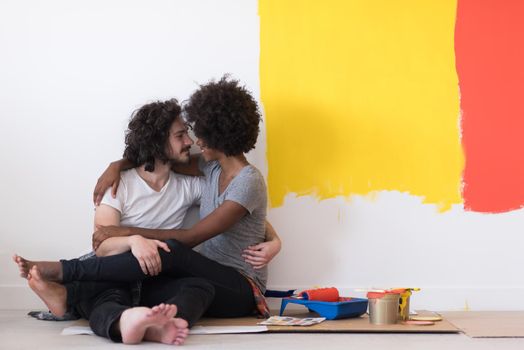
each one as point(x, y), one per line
point(141, 206)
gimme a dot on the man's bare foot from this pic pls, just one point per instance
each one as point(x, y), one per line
point(49, 270)
point(135, 322)
point(182, 330)
point(52, 294)
point(174, 331)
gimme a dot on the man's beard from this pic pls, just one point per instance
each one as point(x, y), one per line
point(179, 160)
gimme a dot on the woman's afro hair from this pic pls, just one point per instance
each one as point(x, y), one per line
point(225, 116)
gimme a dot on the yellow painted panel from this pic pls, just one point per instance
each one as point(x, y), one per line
point(361, 96)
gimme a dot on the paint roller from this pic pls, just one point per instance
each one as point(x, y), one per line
point(320, 294)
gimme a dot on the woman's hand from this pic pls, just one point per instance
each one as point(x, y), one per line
point(146, 252)
point(104, 232)
point(110, 178)
point(261, 254)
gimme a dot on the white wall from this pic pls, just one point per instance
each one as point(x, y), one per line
point(72, 72)
point(461, 260)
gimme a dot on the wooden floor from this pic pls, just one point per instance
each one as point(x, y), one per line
point(18, 331)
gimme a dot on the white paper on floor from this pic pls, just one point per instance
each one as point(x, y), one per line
point(76, 330)
point(227, 329)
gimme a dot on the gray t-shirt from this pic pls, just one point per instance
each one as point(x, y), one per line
point(249, 190)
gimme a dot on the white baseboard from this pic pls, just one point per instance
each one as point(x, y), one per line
point(445, 299)
point(15, 297)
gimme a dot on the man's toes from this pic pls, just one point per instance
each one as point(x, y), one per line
point(161, 308)
point(171, 311)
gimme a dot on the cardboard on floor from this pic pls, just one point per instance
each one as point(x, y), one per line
point(488, 324)
point(348, 325)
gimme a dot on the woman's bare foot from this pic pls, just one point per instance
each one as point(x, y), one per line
point(135, 322)
point(52, 294)
point(174, 331)
point(49, 270)
point(23, 265)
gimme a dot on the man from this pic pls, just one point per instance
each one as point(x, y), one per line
point(154, 196)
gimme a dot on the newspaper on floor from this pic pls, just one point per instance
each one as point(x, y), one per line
point(291, 321)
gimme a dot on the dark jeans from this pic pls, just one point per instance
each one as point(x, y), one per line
point(233, 294)
point(102, 303)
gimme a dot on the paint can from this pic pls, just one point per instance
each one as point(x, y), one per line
point(405, 294)
point(383, 307)
point(403, 310)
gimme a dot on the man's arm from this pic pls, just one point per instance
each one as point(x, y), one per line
point(220, 220)
point(106, 215)
point(261, 254)
point(144, 250)
point(271, 234)
point(110, 178)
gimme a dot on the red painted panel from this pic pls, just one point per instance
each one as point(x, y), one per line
point(489, 45)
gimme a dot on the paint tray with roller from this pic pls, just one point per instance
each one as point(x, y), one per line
point(328, 303)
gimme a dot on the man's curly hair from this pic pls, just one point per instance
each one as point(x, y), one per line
point(225, 116)
point(148, 132)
